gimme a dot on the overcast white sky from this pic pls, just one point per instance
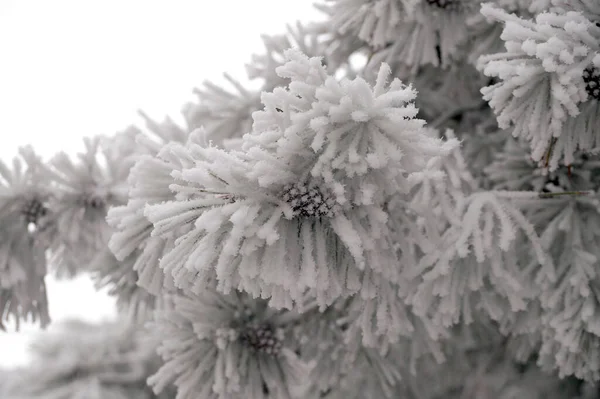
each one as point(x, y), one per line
point(73, 68)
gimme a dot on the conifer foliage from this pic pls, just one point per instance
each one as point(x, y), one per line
point(419, 224)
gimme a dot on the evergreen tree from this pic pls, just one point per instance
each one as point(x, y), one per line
point(407, 208)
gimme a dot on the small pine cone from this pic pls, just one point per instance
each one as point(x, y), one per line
point(308, 200)
point(262, 339)
point(33, 210)
point(591, 77)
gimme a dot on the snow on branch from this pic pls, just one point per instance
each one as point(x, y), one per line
point(24, 195)
point(481, 262)
point(547, 84)
point(308, 191)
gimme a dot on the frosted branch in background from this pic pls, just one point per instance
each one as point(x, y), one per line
point(80, 360)
point(24, 194)
point(83, 190)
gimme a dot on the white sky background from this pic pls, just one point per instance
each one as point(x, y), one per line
point(76, 68)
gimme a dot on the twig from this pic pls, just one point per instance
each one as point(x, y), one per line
point(563, 193)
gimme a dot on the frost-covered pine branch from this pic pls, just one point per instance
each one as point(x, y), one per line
point(78, 360)
point(548, 86)
point(405, 205)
